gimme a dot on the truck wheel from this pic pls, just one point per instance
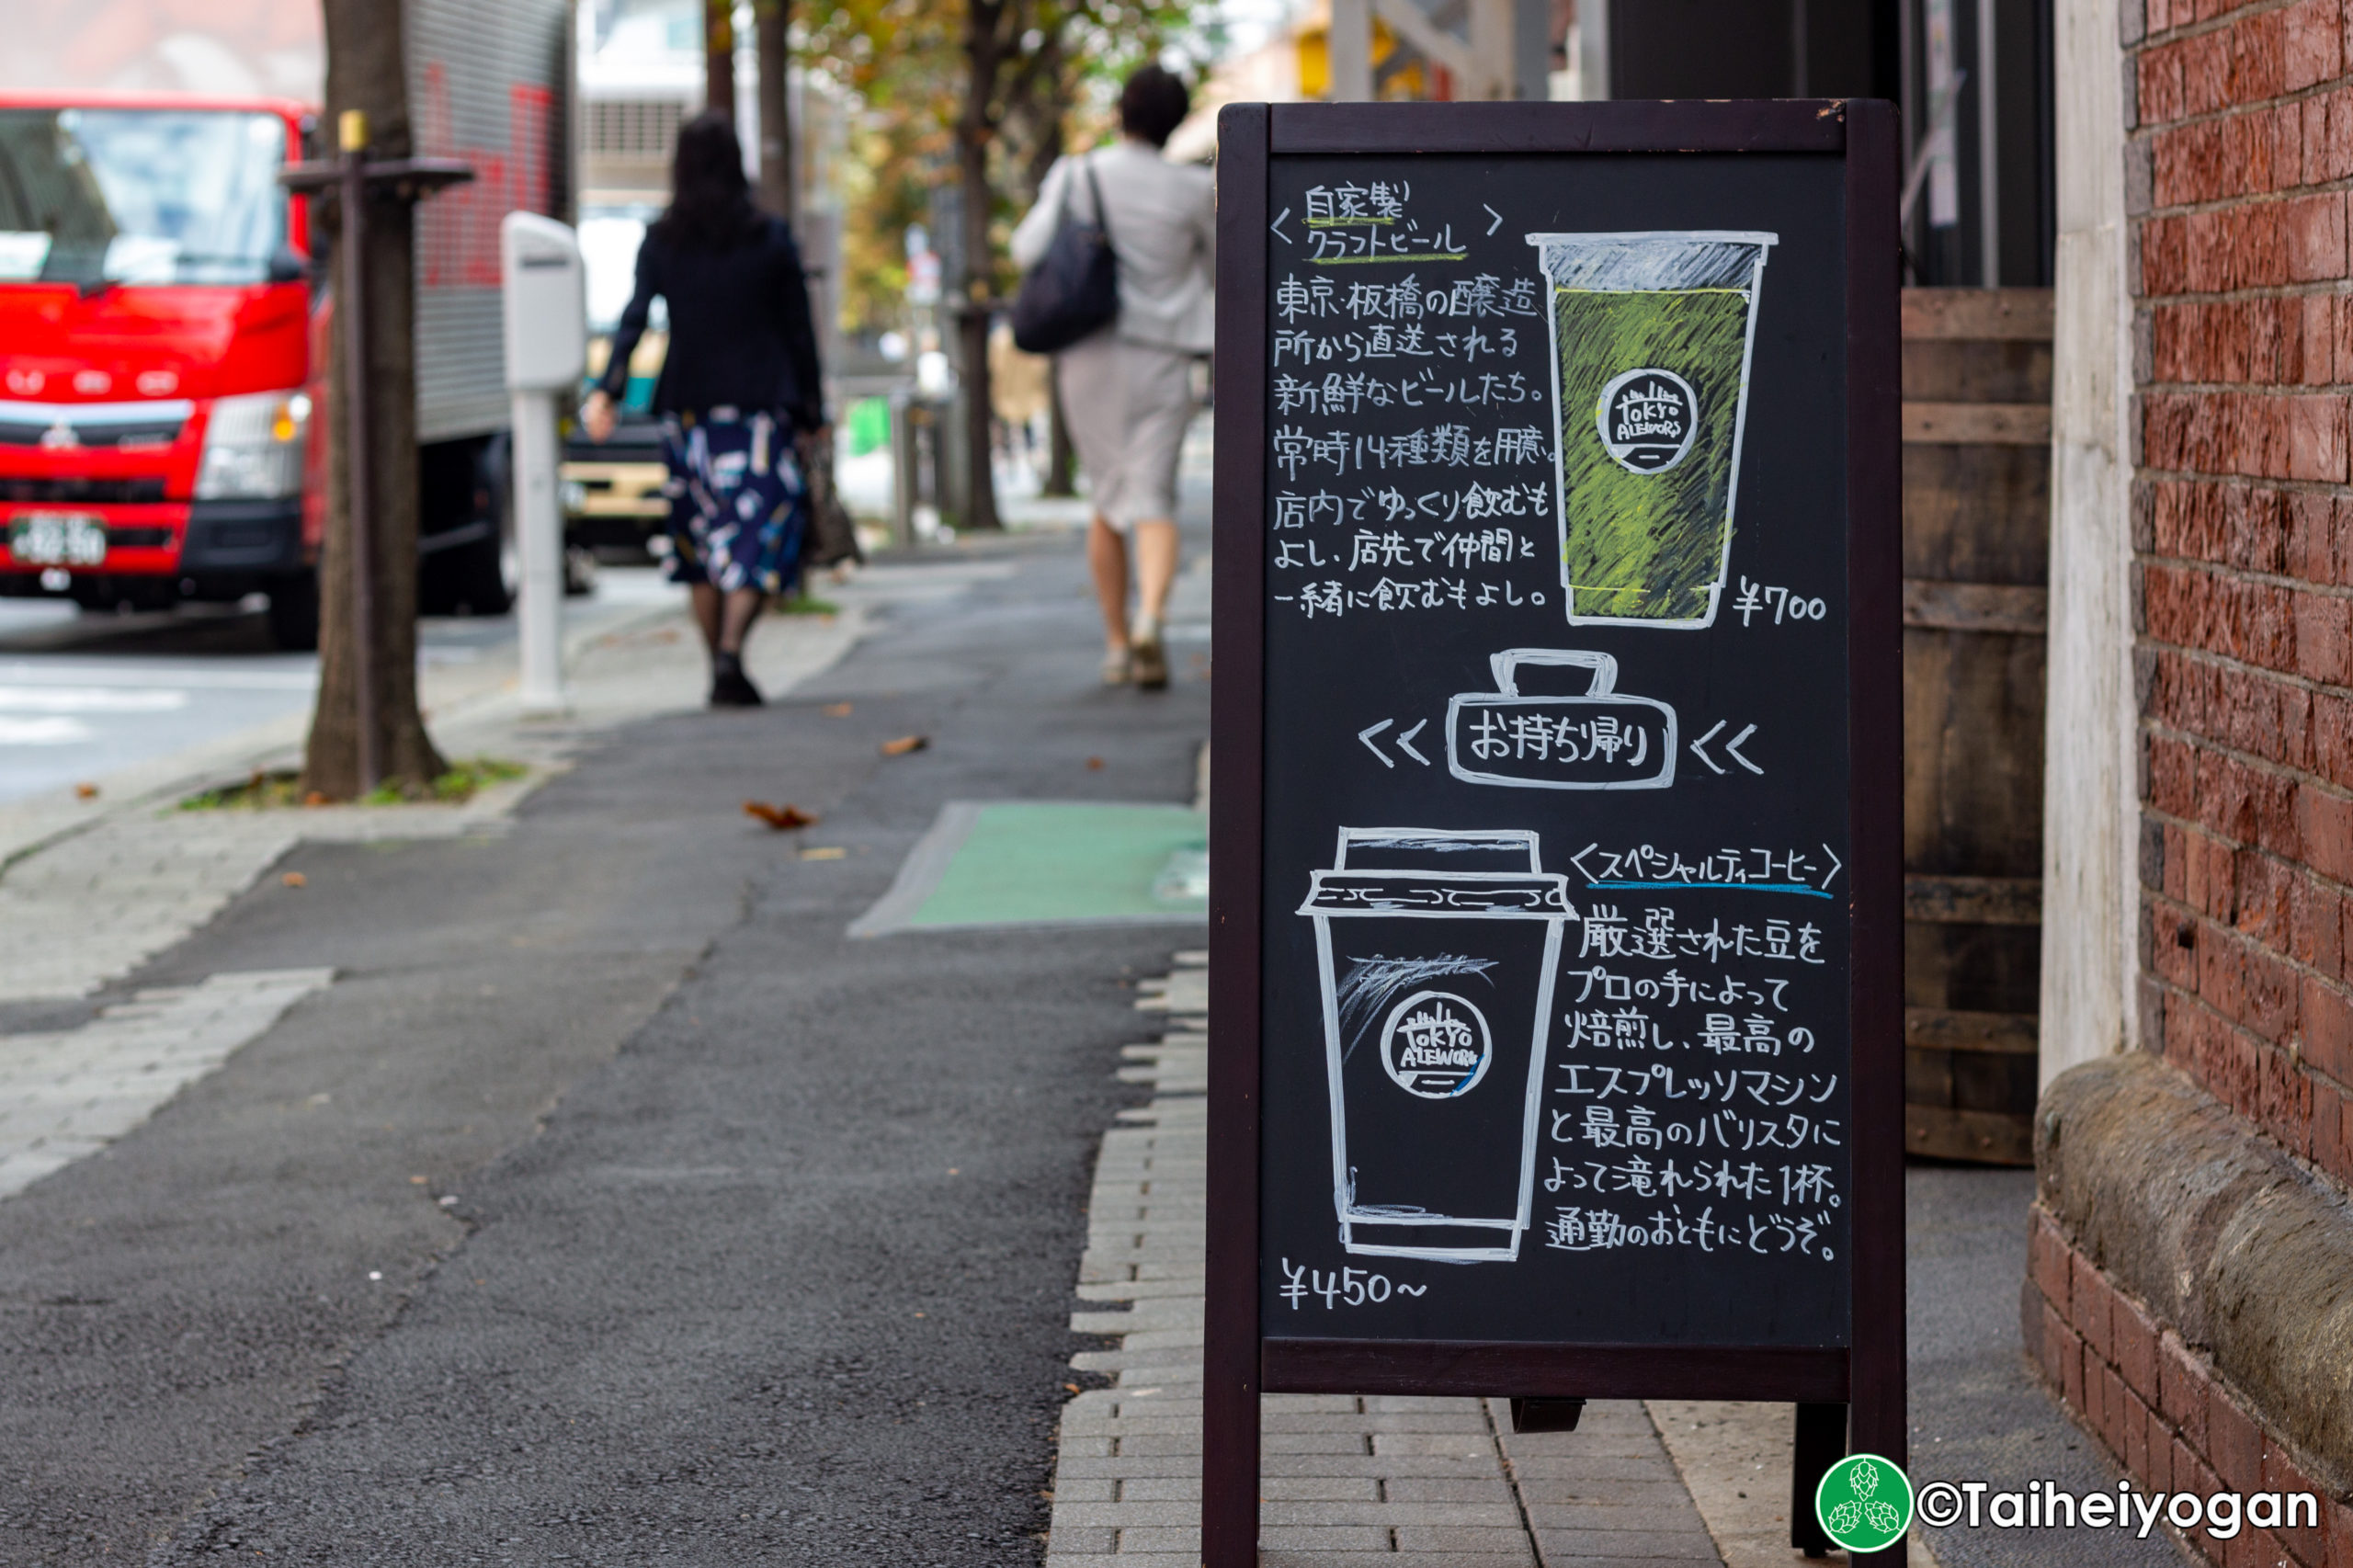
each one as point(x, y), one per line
point(480, 575)
point(294, 612)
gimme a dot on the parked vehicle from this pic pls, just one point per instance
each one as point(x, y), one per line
point(613, 504)
point(162, 328)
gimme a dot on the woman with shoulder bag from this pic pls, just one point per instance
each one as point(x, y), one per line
point(1126, 391)
point(739, 382)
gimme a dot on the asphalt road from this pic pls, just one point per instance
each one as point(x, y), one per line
point(612, 1205)
point(82, 694)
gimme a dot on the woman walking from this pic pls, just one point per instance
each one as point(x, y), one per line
point(1127, 390)
point(739, 382)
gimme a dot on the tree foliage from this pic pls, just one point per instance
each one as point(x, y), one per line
point(1054, 69)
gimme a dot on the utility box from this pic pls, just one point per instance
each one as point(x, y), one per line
point(547, 303)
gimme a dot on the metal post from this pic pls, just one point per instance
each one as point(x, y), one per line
point(352, 138)
point(538, 528)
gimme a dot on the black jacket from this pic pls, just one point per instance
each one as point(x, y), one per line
point(740, 329)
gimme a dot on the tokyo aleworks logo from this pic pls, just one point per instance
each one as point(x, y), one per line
point(1647, 419)
point(1864, 1503)
point(1435, 1045)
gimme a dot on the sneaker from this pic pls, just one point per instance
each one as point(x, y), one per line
point(730, 687)
point(1116, 667)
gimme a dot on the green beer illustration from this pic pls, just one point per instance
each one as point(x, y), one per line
point(1652, 336)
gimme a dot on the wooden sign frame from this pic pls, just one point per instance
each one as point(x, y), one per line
point(1868, 1375)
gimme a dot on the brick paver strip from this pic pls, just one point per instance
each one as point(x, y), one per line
point(1441, 1483)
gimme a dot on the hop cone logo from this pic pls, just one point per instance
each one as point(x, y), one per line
point(1864, 1503)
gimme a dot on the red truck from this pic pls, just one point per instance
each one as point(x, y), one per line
point(161, 324)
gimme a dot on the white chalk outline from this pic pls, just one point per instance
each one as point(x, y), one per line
point(1506, 840)
point(1764, 242)
point(1602, 692)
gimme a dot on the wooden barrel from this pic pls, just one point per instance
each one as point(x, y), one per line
point(1976, 568)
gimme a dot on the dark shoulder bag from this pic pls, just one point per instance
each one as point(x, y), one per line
point(1074, 289)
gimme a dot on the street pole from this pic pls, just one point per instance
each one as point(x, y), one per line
point(544, 292)
point(352, 139)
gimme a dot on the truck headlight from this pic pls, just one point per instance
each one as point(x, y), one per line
point(252, 447)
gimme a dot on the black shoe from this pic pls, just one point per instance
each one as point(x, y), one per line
point(730, 687)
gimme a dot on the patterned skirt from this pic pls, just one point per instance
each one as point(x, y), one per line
point(739, 503)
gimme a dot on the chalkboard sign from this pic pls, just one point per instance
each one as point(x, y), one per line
point(1556, 1020)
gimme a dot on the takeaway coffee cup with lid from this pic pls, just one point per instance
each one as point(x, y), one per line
point(1437, 950)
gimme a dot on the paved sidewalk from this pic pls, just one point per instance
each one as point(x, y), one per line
point(1443, 1482)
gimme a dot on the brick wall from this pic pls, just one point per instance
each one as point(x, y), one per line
point(2239, 173)
point(2162, 1410)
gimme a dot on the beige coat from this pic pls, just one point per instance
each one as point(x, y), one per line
point(1163, 229)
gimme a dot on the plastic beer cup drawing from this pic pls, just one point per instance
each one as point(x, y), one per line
point(1652, 338)
point(1436, 950)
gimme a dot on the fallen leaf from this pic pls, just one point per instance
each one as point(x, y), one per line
point(1073, 1387)
point(294, 880)
point(316, 798)
point(416, 1181)
point(85, 792)
point(905, 745)
point(826, 852)
point(835, 709)
point(778, 817)
point(1093, 765)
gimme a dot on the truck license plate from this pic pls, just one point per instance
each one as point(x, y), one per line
point(57, 538)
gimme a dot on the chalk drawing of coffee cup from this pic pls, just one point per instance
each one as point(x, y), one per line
point(1600, 738)
point(1653, 335)
point(1437, 950)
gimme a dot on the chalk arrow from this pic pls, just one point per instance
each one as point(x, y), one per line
point(1406, 743)
point(1366, 736)
point(1836, 865)
point(1276, 226)
point(1702, 741)
point(1497, 216)
point(1732, 749)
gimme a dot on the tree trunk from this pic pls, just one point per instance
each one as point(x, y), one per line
point(718, 56)
point(983, 57)
point(367, 71)
point(773, 21)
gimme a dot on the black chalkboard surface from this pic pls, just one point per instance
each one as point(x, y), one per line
point(1555, 1032)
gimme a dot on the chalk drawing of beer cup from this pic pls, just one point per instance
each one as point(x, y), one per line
point(1652, 338)
point(1598, 739)
point(1437, 950)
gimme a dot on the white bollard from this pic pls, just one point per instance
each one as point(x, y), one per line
point(547, 349)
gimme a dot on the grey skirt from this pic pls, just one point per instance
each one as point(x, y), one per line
point(1127, 405)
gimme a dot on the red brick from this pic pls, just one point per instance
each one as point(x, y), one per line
point(2233, 1442)
point(2287, 1104)
point(2326, 134)
point(2137, 1421)
point(2092, 1294)
point(2113, 1413)
point(2133, 1335)
point(2314, 48)
point(2316, 925)
point(2159, 1475)
point(2325, 831)
point(2306, 1544)
point(2181, 1387)
point(2331, 747)
point(2311, 543)
point(2070, 1365)
point(2328, 1130)
point(2049, 1254)
point(2328, 1029)
point(2337, 1522)
point(2324, 637)
point(2060, 1350)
